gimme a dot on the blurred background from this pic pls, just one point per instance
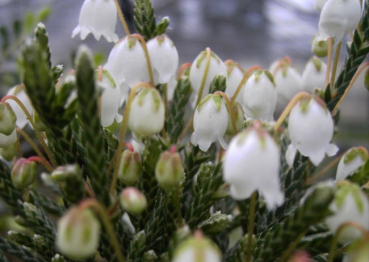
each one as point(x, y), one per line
point(247, 31)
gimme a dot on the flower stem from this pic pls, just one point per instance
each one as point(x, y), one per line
point(353, 80)
point(185, 130)
point(38, 133)
point(288, 108)
point(251, 227)
point(181, 69)
point(147, 56)
point(243, 81)
point(204, 76)
point(292, 247)
point(122, 136)
point(230, 110)
point(42, 161)
point(335, 63)
point(329, 61)
point(108, 226)
point(121, 17)
point(338, 233)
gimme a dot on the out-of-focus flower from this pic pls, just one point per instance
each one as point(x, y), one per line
point(352, 160)
point(6, 141)
point(210, 122)
point(133, 201)
point(130, 167)
point(318, 5)
point(98, 17)
point(169, 170)
point(23, 173)
point(251, 164)
point(358, 251)
point(234, 77)
point(238, 114)
point(288, 82)
point(311, 129)
point(20, 93)
point(7, 119)
point(314, 75)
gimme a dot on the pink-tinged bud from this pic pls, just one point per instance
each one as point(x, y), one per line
point(350, 162)
point(338, 18)
point(300, 256)
point(197, 249)
point(130, 168)
point(9, 152)
point(7, 119)
point(245, 168)
point(23, 173)
point(210, 122)
point(314, 75)
point(311, 129)
point(98, 17)
point(349, 205)
point(169, 170)
point(147, 114)
point(78, 233)
point(133, 201)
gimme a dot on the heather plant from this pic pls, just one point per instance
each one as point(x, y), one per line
point(230, 184)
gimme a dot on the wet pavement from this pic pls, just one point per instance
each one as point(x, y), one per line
point(249, 32)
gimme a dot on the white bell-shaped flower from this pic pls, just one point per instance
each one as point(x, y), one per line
point(110, 101)
point(251, 164)
point(234, 77)
point(349, 205)
point(260, 96)
point(146, 116)
point(164, 58)
point(311, 129)
point(338, 18)
point(318, 5)
point(210, 122)
point(197, 249)
point(98, 17)
point(6, 141)
point(314, 75)
point(351, 161)
point(216, 67)
point(20, 93)
point(288, 82)
point(127, 64)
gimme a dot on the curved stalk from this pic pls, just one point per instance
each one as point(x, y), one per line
point(251, 227)
point(230, 110)
point(335, 63)
point(147, 56)
point(185, 130)
point(243, 81)
point(121, 17)
point(42, 161)
point(324, 170)
point(204, 76)
point(38, 133)
point(181, 69)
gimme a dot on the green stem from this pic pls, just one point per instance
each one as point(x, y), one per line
point(147, 56)
point(230, 110)
point(292, 247)
point(121, 17)
point(335, 63)
point(251, 227)
point(108, 226)
point(329, 60)
point(38, 133)
point(30, 141)
point(123, 130)
point(42, 161)
point(204, 76)
point(185, 130)
point(243, 81)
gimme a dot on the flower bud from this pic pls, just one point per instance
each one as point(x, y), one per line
point(234, 77)
point(210, 122)
point(311, 129)
point(20, 93)
point(351, 161)
point(320, 47)
point(238, 114)
point(7, 119)
point(164, 58)
point(127, 64)
point(61, 173)
point(245, 168)
point(314, 75)
point(78, 233)
point(197, 249)
point(349, 205)
point(169, 170)
point(216, 67)
point(23, 173)
point(147, 114)
point(133, 201)
point(338, 18)
point(6, 141)
point(98, 17)
point(130, 168)
point(288, 82)
point(9, 152)
point(260, 96)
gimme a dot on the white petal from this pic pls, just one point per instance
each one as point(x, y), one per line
point(6, 141)
point(290, 154)
point(332, 150)
point(317, 157)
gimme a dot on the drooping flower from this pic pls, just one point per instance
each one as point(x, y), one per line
point(9, 152)
point(319, 47)
point(210, 122)
point(130, 167)
point(7, 119)
point(288, 82)
point(349, 205)
point(98, 17)
point(20, 93)
point(216, 67)
point(260, 96)
point(127, 64)
point(314, 75)
point(147, 115)
point(6, 141)
point(311, 129)
point(251, 164)
point(133, 201)
point(234, 77)
point(350, 162)
point(338, 18)
point(169, 170)
point(23, 173)
point(78, 233)
point(238, 114)
point(164, 58)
